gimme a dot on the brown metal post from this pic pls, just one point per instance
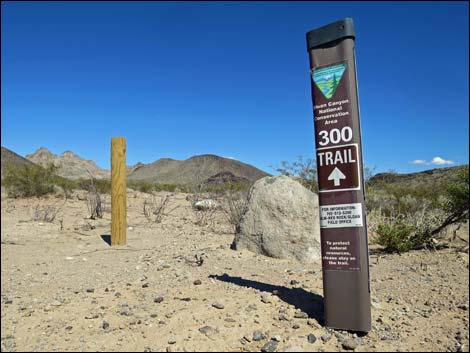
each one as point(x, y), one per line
point(118, 191)
point(345, 255)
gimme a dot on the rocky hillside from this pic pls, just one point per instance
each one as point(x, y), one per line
point(10, 158)
point(428, 177)
point(192, 170)
point(69, 164)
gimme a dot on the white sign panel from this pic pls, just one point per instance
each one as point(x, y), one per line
point(341, 216)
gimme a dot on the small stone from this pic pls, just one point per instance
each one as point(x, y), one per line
point(208, 330)
point(145, 285)
point(90, 290)
point(326, 337)
point(197, 282)
point(296, 326)
point(117, 294)
point(172, 340)
point(218, 305)
point(187, 299)
point(311, 338)
point(276, 338)
point(339, 337)
point(153, 315)
point(271, 346)
point(349, 344)
point(105, 325)
point(265, 299)
point(258, 336)
point(8, 301)
point(158, 299)
point(294, 282)
point(68, 328)
point(301, 315)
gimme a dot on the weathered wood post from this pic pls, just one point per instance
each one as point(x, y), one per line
point(118, 191)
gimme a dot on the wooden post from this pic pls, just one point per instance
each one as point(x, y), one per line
point(118, 191)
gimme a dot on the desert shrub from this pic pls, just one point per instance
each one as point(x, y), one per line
point(103, 186)
point(408, 216)
point(154, 208)
point(46, 212)
point(233, 205)
point(457, 196)
point(304, 170)
point(142, 186)
point(396, 237)
point(66, 184)
point(30, 180)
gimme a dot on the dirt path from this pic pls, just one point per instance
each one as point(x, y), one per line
point(67, 290)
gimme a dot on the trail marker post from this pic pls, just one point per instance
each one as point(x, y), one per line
point(118, 191)
point(345, 255)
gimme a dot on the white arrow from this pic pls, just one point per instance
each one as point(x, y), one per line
point(336, 175)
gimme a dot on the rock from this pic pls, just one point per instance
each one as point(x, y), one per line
point(172, 340)
point(349, 344)
point(301, 315)
point(276, 338)
point(197, 282)
point(207, 204)
point(105, 325)
point(158, 299)
point(281, 221)
point(271, 346)
point(326, 337)
point(258, 336)
point(208, 331)
point(265, 299)
point(218, 305)
point(296, 326)
point(294, 282)
point(311, 338)
point(90, 290)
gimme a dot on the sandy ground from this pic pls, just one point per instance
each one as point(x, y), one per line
point(68, 290)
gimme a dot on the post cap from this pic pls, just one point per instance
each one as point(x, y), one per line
point(337, 30)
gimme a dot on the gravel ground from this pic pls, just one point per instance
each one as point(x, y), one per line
point(177, 286)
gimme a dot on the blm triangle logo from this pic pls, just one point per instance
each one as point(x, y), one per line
point(327, 79)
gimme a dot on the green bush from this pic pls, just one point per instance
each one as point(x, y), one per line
point(30, 180)
point(457, 194)
point(103, 186)
point(141, 186)
point(397, 237)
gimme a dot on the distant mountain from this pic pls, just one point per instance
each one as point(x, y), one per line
point(428, 177)
point(10, 158)
point(69, 164)
point(196, 169)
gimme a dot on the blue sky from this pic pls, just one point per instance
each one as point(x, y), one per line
point(230, 78)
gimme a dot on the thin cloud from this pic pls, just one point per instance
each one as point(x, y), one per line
point(418, 161)
point(440, 161)
point(435, 161)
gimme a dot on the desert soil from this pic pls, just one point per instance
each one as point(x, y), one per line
point(177, 286)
